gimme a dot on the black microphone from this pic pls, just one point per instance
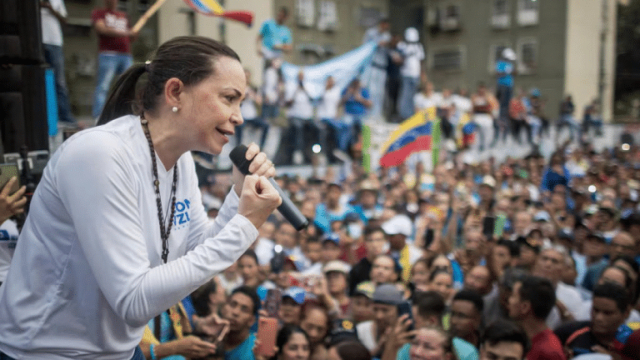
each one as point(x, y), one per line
point(287, 208)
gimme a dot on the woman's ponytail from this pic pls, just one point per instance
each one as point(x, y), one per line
point(188, 58)
point(122, 98)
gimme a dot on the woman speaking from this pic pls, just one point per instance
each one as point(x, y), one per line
point(117, 232)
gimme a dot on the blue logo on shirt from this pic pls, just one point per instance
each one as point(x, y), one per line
point(181, 217)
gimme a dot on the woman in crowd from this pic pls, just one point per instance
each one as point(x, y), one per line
point(117, 226)
point(293, 344)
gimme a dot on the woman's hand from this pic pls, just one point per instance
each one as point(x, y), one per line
point(258, 199)
point(260, 165)
point(11, 205)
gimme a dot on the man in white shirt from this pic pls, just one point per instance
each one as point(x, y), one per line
point(328, 114)
point(549, 265)
point(300, 113)
point(52, 14)
point(413, 54)
point(377, 78)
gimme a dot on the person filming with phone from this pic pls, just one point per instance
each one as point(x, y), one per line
point(11, 203)
point(117, 232)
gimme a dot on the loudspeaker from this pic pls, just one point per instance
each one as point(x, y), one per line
point(23, 114)
point(20, 32)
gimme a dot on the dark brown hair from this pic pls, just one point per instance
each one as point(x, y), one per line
point(188, 58)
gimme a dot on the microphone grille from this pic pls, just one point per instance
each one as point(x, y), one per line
point(238, 158)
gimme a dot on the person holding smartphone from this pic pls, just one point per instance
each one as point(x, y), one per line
point(11, 204)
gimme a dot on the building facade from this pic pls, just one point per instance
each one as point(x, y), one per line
point(562, 46)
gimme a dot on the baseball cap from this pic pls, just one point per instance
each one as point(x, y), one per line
point(399, 224)
point(342, 330)
point(365, 288)
point(296, 293)
point(542, 216)
point(336, 265)
point(489, 181)
point(333, 237)
point(387, 294)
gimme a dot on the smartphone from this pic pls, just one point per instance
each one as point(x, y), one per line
point(277, 261)
point(488, 226)
point(405, 308)
point(7, 171)
point(267, 332)
point(272, 302)
point(428, 238)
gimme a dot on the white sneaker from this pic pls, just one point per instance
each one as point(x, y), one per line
point(298, 158)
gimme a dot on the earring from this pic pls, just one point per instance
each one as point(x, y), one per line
point(174, 109)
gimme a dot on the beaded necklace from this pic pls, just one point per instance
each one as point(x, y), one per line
point(164, 232)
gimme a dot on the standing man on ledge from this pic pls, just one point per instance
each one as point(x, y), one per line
point(53, 13)
point(114, 48)
point(274, 37)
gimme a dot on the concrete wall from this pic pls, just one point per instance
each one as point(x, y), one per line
point(582, 67)
point(477, 36)
point(346, 37)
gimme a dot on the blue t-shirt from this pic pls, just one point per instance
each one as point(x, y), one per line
point(243, 351)
point(505, 70)
point(274, 34)
point(324, 217)
point(353, 107)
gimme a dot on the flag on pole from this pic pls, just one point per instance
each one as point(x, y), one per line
point(414, 134)
point(213, 8)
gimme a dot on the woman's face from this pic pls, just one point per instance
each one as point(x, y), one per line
point(315, 325)
point(297, 348)
point(420, 276)
point(428, 344)
point(443, 285)
point(249, 270)
point(212, 107)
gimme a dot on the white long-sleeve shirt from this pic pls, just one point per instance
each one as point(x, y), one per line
point(87, 273)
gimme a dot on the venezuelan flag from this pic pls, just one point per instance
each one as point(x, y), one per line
point(213, 8)
point(414, 134)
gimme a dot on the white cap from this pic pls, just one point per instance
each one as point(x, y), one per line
point(411, 35)
point(509, 54)
point(399, 224)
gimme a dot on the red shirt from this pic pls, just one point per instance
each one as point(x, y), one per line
point(116, 20)
point(546, 346)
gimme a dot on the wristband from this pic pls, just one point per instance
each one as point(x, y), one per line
point(152, 350)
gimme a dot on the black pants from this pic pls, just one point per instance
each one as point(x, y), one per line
point(393, 91)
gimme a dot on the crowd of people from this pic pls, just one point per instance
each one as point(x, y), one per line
point(530, 258)
point(525, 259)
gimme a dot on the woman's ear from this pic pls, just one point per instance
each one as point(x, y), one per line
point(173, 90)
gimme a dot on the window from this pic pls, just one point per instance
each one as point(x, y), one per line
point(500, 18)
point(527, 12)
point(369, 16)
point(527, 55)
point(500, 7)
point(327, 16)
point(447, 59)
point(451, 18)
point(305, 12)
point(495, 53)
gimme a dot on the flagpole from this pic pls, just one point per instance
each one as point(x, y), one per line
point(366, 145)
point(149, 13)
point(435, 142)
